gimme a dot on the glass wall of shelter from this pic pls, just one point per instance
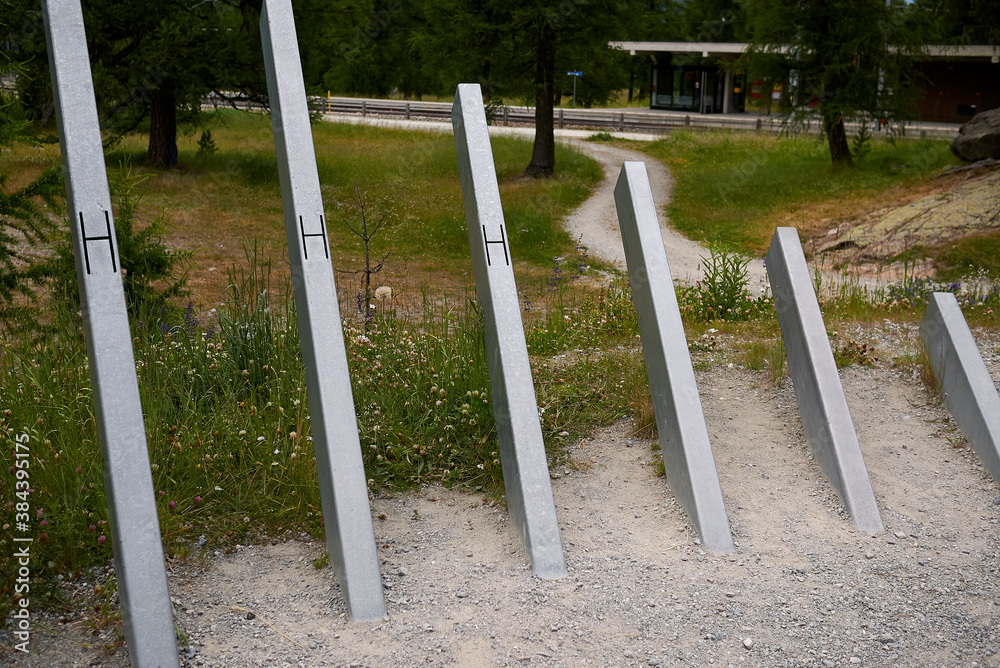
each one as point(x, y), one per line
point(698, 89)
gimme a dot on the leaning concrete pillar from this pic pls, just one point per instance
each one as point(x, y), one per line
point(684, 444)
point(147, 616)
point(350, 538)
point(962, 377)
point(820, 396)
point(522, 450)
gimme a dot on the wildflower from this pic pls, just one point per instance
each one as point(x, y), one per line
point(91, 528)
point(102, 539)
point(172, 505)
point(79, 470)
point(197, 499)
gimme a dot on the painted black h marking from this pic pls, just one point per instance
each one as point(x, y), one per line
point(489, 241)
point(321, 234)
point(86, 240)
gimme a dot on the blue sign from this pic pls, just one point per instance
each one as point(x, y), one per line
point(575, 74)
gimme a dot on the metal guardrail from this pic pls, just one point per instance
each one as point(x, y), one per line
point(607, 120)
point(594, 119)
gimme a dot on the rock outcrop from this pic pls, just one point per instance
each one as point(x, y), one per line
point(979, 139)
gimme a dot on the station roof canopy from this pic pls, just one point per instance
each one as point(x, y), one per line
point(730, 50)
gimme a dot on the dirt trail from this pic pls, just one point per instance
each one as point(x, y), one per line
point(596, 220)
point(803, 588)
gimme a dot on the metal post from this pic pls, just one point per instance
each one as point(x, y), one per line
point(621, 122)
point(561, 118)
point(522, 450)
point(407, 111)
point(147, 615)
point(364, 107)
point(350, 538)
point(680, 421)
point(962, 377)
point(826, 418)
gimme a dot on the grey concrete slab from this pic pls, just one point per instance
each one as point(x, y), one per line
point(965, 383)
point(825, 416)
point(147, 615)
point(522, 450)
point(350, 537)
point(680, 421)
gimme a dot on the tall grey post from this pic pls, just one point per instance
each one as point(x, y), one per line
point(522, 450)
point(962, 376)
point(147, 616)
point(350, 538)
point(684, 445)
point(825, 416)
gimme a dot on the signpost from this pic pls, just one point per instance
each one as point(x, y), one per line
point(574, 74)
point(350, 537)
point(147, 615)
point(522, 450)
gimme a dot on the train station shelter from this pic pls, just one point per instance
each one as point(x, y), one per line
point(698, 77)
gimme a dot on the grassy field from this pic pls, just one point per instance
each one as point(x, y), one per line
point(735, 188)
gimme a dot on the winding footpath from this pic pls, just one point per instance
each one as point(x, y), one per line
point(595, 221)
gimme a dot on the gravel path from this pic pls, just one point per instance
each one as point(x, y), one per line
point(804, 587)
point(595, 222)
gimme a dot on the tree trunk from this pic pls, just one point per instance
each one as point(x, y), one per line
point(543, 156)
point(162, 151)
point(840, 151)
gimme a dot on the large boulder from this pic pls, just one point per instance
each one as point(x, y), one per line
point(979, 139)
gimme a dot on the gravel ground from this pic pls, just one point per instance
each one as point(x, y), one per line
point(803, 588)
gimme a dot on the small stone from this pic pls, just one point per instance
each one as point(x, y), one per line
point(869, 555)
point(313, 645)
point(730, 594)
point(748, 643)
point(462, 594)
point(628, 654)
point(855, 659)
point(996, 501)
point(887, 638)
point(900, 534)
